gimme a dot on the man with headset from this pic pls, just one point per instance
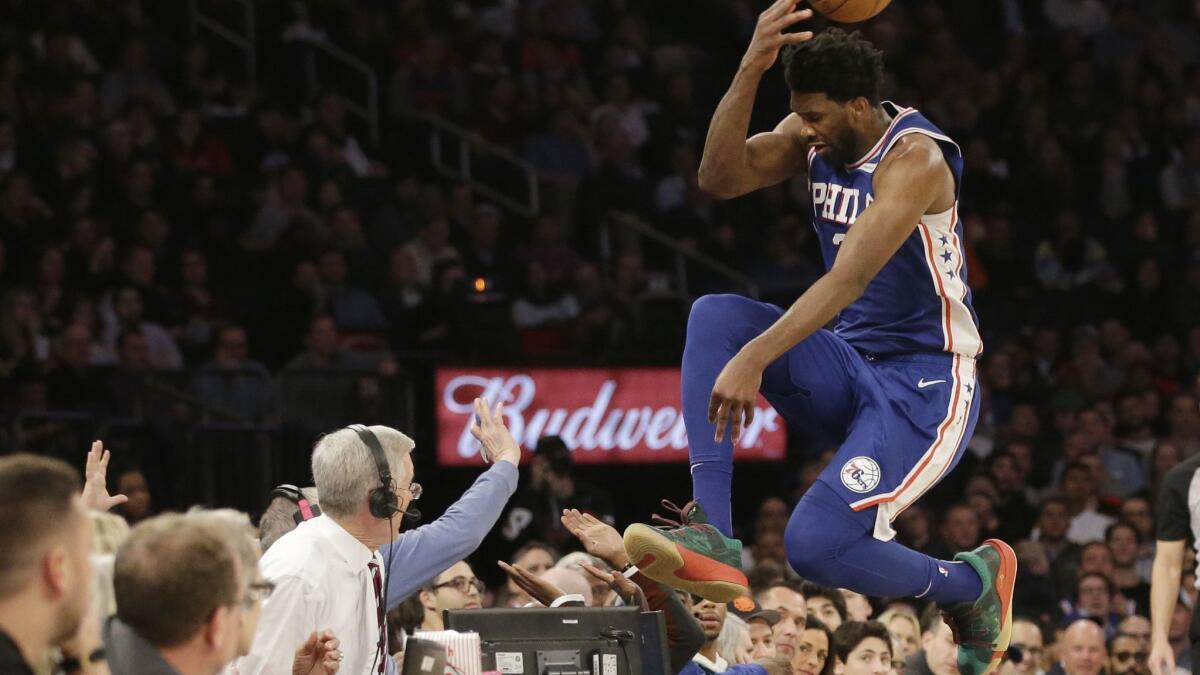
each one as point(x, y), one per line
point(329, 573)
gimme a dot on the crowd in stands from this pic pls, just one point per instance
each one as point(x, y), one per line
point(159, 217)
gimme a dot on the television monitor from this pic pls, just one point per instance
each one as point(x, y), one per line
point(566, 640)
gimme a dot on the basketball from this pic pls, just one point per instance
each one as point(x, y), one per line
point(848, 11)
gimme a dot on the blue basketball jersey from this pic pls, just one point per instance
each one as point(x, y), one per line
point(920, 300)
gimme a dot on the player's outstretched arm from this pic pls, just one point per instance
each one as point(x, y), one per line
point(912, 179)
point(733, 165)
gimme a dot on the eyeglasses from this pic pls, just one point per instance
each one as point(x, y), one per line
point(257, 592)
point(414, 489)
point(462, 584)
point(1028, 649)
point(1140, 657)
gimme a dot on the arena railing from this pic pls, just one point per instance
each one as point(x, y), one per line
point(366, 106)
point(455, 151)
point(620, 230)
point(242, 40)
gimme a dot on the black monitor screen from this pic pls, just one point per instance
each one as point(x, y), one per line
point(560, 641)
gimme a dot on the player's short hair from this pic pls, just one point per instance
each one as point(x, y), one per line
point(841, 65)
point(850, 635)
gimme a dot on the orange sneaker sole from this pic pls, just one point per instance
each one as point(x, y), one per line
point(1005, 583)
point(667, 562)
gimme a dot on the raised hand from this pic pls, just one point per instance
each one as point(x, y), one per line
point(769, 36)
point(319, 655)
point(488, 428)
point(95, 487)
point(598, 537)
point(539, 589)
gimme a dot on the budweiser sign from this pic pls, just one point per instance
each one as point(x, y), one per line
point(605, 415)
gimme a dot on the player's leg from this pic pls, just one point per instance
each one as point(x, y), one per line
point(912, 427)
point(719, 326)
point(810, 386)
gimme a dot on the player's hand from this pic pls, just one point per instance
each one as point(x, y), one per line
point(488, 428)
point(734, 395)
point(1162, 657)
point(769, 36)
point(598, 537)
point(95, 488)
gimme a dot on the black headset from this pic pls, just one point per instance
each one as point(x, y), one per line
point(382, 500)
point(307, 510)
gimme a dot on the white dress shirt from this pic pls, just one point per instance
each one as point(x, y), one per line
point(321, 583)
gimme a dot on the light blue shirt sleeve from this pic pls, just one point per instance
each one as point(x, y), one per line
point(421, 554)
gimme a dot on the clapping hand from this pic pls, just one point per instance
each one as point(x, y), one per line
point(539, 589)
point(598, 537)
point(95, 487)
point(319, 655)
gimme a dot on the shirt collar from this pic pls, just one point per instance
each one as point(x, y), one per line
point(353, 551)
point(718, 666)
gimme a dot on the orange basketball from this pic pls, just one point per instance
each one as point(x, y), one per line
point(848, 11)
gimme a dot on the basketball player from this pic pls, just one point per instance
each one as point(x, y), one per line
point(895, 379)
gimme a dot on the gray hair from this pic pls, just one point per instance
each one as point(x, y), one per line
point(345, 472)
point(280, 518)
point(731, 636)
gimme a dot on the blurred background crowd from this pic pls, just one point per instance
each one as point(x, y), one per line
point(211, 259)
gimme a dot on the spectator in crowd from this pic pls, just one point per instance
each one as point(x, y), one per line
point(858, 607)
point(1027, 639)
point(905, 630)
point(124, 313)
point(130, 481)
point(1138, 627)
point(232, 380)
point(863, 648)
point(328, 573)
point(309, 561)
point(45, 574)
point(189, 595)
point(938, 654)
point(455, 588)
point(1079, 491)
point(707, 661)
point(1081, 650)
point(813, 650)
point(1126, 656)
point(827, 604)
point(760, 623)
point(288, 507)
point(733, 644)
point(785, 597)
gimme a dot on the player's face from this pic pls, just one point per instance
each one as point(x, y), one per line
point(827, 126)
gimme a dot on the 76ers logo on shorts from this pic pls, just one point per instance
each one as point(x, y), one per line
point(860, 474)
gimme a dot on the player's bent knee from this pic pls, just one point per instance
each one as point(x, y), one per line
point(711, 310)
